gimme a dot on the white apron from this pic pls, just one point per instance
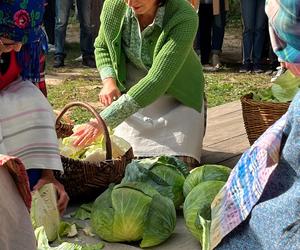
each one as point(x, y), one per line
point(27, 127)
point(165, 127)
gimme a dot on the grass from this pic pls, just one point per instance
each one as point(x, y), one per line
point(228, 85)
point(83, 84)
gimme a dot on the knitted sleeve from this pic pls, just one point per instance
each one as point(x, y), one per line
point(167, 62)
point(102, 55)
point(107, 72)
point(119, 110)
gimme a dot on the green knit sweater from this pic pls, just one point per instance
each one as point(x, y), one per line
point(176, 69)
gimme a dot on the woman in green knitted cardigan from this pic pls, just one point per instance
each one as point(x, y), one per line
point(153, 84)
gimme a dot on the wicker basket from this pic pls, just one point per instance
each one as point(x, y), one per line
point(84, 180)
point(259, 115)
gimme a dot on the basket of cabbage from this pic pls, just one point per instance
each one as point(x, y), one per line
point(88, 171)
point(263, 108)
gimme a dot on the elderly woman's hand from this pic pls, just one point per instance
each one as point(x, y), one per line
point(109, 92)
point(87, 133)
point(62, 196)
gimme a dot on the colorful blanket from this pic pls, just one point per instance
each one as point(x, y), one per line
point(246, 183)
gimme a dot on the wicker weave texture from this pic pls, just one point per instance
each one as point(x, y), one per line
point(259, 115)
point(84, 180)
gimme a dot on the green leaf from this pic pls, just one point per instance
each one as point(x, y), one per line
point(285, 87)
point(102, 216)
point(164, 173)
point(135, 172)
point(82, 213)
point(42, 242)
point(207, 172)
point(264, 95)
point(160, 221)
point(64, 228)
point(204, 225)
point(97, 246)
point(175, 162)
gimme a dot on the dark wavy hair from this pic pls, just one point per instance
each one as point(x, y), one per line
point(161, 2)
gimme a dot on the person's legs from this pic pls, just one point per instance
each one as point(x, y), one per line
point(49, 20)
point(86, 32)
point(248, 17)
point(61, 21)
point(259, 33)
point(218, 31)
point(203, 38)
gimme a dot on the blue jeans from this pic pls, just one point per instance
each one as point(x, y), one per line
point(210, 35)
point(255, 24)
point(63, 8)
point(218, 31)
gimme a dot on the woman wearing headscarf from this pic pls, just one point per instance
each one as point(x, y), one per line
point(258, 208)
point(27, 134)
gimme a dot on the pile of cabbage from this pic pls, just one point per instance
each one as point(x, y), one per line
point(200, 189)
point(96, 151)
point(142, 207)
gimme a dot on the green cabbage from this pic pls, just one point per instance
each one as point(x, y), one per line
point(282, 90)
point(165, 173)
point(197, 211)
point(132, 212)
point(208, 172)
point(285, 87)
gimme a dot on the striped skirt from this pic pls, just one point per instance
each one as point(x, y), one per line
point(27, 128)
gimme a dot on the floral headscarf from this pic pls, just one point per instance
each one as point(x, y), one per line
point(284, 27)
point(20, 21)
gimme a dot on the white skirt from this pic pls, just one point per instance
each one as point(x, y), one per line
point(27, 128)
point(16, 231)
point(165, 127)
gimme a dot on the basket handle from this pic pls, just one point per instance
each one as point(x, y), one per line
point(98, 118)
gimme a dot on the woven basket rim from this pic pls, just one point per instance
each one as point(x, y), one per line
point(97, 164)
point(259, 115)
point(248, 98)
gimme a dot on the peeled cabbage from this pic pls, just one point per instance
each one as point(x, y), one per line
point(96, 151)
point(44, 211)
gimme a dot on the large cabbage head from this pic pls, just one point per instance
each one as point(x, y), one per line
point(197, 211)
point(132, 212)
point(165, 173)
point(208, 172)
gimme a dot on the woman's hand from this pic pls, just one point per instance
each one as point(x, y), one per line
point(62, 196)
point(87, 133)
point(109, 92)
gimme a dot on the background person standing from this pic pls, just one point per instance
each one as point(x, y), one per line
point(63, 8)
